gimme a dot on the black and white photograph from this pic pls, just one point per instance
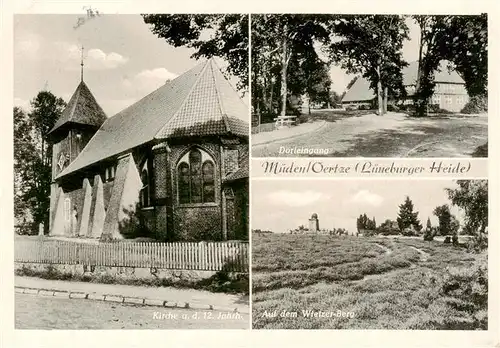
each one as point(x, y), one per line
point(131, 171)
point(331, 85)
point(370, 254)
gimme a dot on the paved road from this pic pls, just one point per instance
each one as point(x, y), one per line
point(38, 312)
point(391, 135)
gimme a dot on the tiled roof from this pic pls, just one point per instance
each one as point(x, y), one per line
point(361, 91)
point(82, 108)
point(242, 171)
point(212, 107)
point(442, 74)
point(199, 102)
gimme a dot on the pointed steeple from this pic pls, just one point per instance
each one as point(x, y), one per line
point(82, 109)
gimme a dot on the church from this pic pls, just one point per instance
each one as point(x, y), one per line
point(171, 167)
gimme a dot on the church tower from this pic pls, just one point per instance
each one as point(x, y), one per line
point(80, 120)
point(314, 223)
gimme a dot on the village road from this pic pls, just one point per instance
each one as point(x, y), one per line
point(392, 135)
point(38, 312)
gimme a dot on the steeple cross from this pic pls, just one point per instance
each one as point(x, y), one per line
point(81, 64)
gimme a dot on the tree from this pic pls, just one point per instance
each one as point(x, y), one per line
point(467, 48)
point(472, 197)
point(278, 39)
point(33, 156)
point(371, 45)
point(335, 99)
point(24, 159)
point(429, 232)
point(406, 217)
point(46, 110)
point(365, 223)
point(316, 77)
point(211, 35)
point(388, 227)
point(454, 225)
point(444, 217)
point(461, 40)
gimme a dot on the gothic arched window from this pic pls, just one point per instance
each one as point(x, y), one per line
point(196, 178)
point(146, 187)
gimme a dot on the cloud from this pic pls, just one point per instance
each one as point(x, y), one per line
point(27, 47)
point(67, 54)
point(296, 199)
point(98, 59)
point(23, 104)
point(150, 79)
point(367, 197)
point(158, 73)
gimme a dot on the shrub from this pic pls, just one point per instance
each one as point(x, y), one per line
point(478, 243)
point(476, 105)
point(392, 107)
point(222, 281)
point(466, 290)
point(481, 151)
point(429, 235)
point(26, 228)
point(435, 109)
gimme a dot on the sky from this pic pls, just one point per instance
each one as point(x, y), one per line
point(123, 60)
point(340, 78)
point(281, 205)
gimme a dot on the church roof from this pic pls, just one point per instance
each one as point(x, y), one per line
point(361, 91)
point(199, 102)
point(82, 108)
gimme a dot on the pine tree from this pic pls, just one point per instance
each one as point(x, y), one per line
point(406, 216)
point(428, 225)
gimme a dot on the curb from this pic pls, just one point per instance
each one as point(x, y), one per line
point(124, 299)
point(290, 137)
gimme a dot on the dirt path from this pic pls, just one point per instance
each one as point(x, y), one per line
point(423, 255)
point(391, 135)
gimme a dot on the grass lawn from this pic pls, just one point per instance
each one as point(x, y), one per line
point(365, 283)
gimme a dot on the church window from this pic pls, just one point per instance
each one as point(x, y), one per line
point(208, 181)
point(196, 178)
point(62, 161)
point(67, 209)
point(146, 186)
point(109, 173)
